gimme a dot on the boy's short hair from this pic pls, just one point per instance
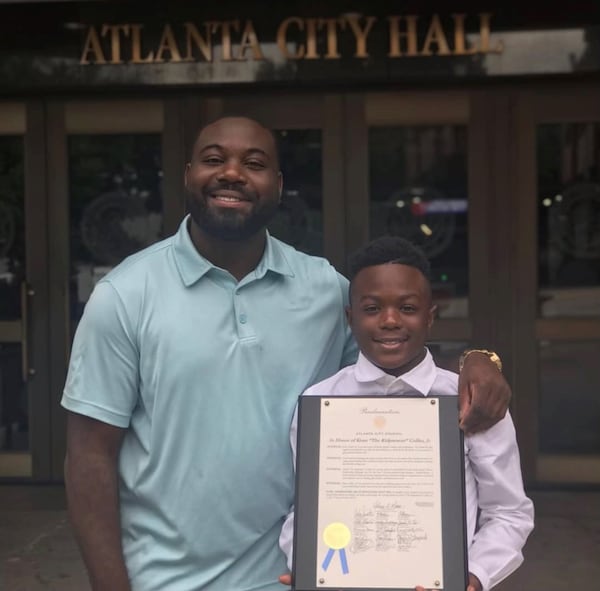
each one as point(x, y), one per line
point(388, 249)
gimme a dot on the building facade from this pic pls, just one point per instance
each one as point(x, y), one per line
point(472, 128)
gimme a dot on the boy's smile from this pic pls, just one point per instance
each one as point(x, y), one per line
point(390, 315)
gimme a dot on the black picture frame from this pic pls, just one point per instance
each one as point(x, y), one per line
point(452, 481)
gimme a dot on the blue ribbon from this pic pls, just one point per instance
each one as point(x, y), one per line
point(343, 560)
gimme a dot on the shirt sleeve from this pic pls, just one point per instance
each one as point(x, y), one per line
point(103, 376)
point(506, 513)
point(286, 538)
point(350, 354)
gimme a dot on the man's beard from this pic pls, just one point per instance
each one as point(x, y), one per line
point(228, 224)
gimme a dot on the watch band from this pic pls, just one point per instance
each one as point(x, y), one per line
point(492, 355)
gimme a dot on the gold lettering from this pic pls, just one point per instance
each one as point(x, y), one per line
point(225, 26)
point(410, 35)
point(282, 38)
point(435, 35)
point(92, 49)
point(311, 39)
point(332, 47)
point(301, 43)
point(250, 41)
point(460, 40)
point(167, 44)
point(136, 47)
point(361, 35)
point(193, 38)
point(484, 33)
point(115, 40)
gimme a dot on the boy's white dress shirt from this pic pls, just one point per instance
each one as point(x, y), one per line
point(493, 480)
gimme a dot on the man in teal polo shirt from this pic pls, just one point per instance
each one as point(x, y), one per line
point(184, 374)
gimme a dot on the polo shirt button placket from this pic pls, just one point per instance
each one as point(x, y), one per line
point(244, 329)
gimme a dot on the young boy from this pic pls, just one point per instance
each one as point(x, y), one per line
point(390, 314)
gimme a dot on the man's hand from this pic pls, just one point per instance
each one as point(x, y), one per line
point(474, 583)
point(286, 579)
point(483, 394)
point(91, 481)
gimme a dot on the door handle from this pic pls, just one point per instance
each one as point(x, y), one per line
point(26, 293)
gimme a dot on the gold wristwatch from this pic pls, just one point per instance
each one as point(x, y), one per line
point(493, 356)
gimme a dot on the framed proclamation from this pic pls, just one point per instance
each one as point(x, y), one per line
point(379, 494)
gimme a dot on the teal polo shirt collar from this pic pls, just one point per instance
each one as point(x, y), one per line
point(192, 265)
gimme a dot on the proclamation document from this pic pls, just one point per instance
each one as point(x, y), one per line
point(378, 500)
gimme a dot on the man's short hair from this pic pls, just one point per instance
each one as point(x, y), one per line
point(388, 250)
point(274, 135)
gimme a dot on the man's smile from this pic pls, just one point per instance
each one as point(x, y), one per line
point(229, 198)
point(228, 194)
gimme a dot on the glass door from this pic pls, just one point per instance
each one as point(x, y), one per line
point(114, 160)
point(115, 206)
point(559, 221)
point(15, 456)
point(24, 401)
point(419, 188)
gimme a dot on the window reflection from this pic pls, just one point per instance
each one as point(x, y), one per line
point(14, 411)
point(12, 226)
point(115, 205)
point(299, 221)
point(569, 402)
point(569, 219)
point(418, 190)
